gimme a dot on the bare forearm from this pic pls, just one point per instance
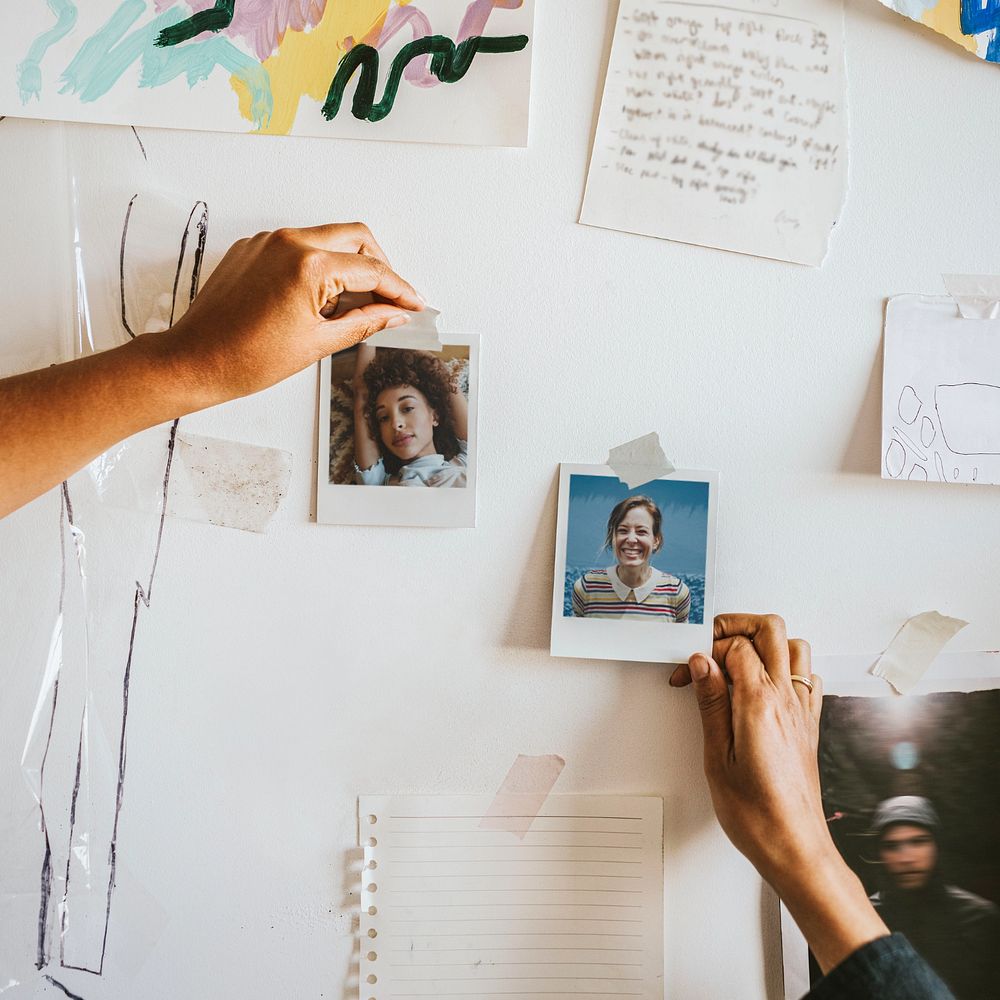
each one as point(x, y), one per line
point(828, 902)
point(54, 421)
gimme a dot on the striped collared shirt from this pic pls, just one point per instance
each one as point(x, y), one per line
point(599, 593)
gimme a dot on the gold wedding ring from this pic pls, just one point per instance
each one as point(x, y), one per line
point(803, 680)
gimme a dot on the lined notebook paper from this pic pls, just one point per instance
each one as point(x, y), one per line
point(571, 908)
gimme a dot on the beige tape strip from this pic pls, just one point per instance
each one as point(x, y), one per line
point(420, 334)
point(977, 295)
point(914, 649)
point(639, 461)
point(227, 483)
point(522, 794)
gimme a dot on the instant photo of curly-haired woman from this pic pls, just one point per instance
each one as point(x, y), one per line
point(397, 430)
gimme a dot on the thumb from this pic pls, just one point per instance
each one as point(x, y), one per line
point(712, 691)
point(359, 324)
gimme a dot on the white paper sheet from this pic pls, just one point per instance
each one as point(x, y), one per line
point(724, 125)
point(449, 909)
point(940, 393)
point(272, 66)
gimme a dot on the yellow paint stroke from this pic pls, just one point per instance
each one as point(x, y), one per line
point(306, 60)
point(946, 19)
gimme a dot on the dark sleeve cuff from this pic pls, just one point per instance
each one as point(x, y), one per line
point(887, 969)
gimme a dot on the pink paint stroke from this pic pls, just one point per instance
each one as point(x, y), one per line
point(522, 794)
point(397, 18)
point(262, 23)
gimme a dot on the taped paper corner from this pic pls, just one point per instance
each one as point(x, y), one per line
point(522, 794)
point(639, 461)
point(914, 648)
point(420, 334)
point(976, 295)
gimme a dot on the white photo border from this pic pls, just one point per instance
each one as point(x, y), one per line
point(602, 639)
point(405, 507)
point(848, 676)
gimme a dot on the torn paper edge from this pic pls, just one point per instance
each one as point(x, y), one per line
point(640, 461)
point(976, 295)
point(522, 794)
point(420, 334)
point(914, 648)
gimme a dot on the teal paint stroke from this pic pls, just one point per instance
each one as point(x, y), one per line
point(218, 17)
point(105, 57)
point(449, 63)
point(29, 70)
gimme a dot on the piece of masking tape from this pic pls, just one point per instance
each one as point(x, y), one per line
point(977, 295)
point(420, 334)
point(914, 649)
point(639, 461)
point(522, 794)
point(227, 483)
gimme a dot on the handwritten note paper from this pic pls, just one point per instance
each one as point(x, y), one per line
point(724, 125)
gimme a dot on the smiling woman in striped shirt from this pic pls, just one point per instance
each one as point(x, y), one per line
point(632, 589)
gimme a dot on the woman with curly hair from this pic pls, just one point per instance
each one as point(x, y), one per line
point(411, 420)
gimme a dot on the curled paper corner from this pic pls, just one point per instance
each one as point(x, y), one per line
point(639, 461)
point(420, 334)
point(976, 295)
point(227, 483)
point(522, 794)
point(914, 648)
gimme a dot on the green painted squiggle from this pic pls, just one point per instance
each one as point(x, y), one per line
point(29, 70)
point(449, 63)
point(108, 53)
point(220, 16)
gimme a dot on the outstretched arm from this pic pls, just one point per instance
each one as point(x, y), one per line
point(366, 450)
point(261, 317)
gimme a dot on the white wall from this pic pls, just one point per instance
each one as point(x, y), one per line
point(278, 676)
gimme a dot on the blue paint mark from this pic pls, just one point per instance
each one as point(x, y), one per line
point(979, 17)
point(29, 70)
point(108, 53)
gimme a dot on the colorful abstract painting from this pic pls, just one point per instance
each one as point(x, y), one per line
point(413, 70)
point(973, 24)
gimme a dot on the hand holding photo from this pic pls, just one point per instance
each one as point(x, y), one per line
point(627, 556)
point(399, 418)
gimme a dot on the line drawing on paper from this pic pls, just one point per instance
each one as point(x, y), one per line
point(905, 438)
point(196, 227)
point(969, 429)
point(909, 403)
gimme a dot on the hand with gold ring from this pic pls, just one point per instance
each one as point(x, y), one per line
point(760, 708)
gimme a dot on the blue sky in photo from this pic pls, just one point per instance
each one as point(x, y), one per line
point(684, 505)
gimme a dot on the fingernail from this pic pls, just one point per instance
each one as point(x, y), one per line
point(400, 319)
point(419, 296)
point(699, 667)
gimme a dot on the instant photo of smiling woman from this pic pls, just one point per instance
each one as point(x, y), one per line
point(632, 588)
point(410, 420)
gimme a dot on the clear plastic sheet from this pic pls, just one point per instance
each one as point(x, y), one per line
point(134, 261)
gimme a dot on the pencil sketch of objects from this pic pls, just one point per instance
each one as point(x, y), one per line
point(927, 432)
point(895, 459)
point(909, 405)
point(918, 472)
point(969, 417)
